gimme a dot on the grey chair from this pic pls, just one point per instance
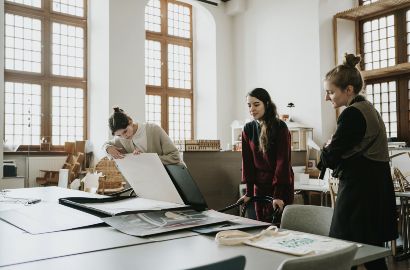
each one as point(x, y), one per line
point(337, 260)
point(307, 218)
point(235, 263)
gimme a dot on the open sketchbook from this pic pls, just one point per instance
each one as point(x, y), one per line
point(145, 224)
point(179, 177)
point(114, 206)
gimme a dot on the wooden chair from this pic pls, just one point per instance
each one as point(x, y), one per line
point(341, 259)
point(235, 263)
point(333, 188)
point(73, 164)
point(307, 218)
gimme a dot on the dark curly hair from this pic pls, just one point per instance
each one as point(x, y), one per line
point(118, 120)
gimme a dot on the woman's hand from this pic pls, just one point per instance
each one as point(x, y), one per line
point(136, 152)
point(329, 141)
point(278, 203)
point(244, 198)
point(115, 152)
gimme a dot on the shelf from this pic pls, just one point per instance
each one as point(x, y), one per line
point(399, 69)
point(362, 12)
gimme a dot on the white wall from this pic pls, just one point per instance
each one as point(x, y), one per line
point(205, 81)
point(213, 73)
point(116, 64)
point(277, 48)
point(346, 43)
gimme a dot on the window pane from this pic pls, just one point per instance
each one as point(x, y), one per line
point(153, 109)
point(67, 114)
point(179, 20)
point(379, 43)
point(22, 113)
point(153, 16)
point(180, 118)
point(408, 34)
point(22, 43)
point(366, 2)
point(72, 7)
point(179, 66)
point(152, 62)
point(33, 3)
point(383, 97)
point(67, 50)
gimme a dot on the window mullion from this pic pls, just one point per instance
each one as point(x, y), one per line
point(46, 112)
point(401, 33)
point(403, 109)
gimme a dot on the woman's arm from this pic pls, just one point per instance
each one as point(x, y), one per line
point(248, 167)
point(114, 142)
point(170, 154)
point(282, 181)
point(350, 130)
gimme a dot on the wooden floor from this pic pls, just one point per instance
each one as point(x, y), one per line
point(394, 265)
point(398, 265)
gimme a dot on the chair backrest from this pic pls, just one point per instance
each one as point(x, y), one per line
point(336, 260)
point(235, 263)
point(333, 188)
point(307, 218)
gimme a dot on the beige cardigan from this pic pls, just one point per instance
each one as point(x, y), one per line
point(157, 142)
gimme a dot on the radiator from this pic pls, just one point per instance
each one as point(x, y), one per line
point(35, 164)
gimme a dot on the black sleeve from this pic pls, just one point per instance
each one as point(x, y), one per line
point(350, 130)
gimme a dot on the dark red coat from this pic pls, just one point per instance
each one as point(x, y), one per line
point(267, 173)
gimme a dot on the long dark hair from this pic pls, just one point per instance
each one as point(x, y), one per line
point(269, 121)
point(118, 120)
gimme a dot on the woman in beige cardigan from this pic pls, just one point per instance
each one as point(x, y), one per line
point(132, 137)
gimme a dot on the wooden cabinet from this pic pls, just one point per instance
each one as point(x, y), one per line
point(218, 175)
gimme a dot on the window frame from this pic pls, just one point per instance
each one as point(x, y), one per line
point(164, 91)
point(45, 78)
point(389, 73)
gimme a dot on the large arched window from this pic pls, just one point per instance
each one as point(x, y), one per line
point(384, 43)
point(168, 67)
point(45, 72)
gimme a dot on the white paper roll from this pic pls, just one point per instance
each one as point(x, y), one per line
point(63, 178)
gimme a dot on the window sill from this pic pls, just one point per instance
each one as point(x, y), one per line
point(366, 11)
point(398, 69)
point(36, 153)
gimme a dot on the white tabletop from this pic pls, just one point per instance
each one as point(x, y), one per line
point(105, 248)
point(322, 188)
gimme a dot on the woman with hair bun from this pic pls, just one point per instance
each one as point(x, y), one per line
point(365, 209)
point(135, 137)
point(266, 153)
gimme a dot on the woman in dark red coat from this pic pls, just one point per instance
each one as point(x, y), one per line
point(266, 152)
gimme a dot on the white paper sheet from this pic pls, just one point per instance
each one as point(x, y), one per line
point(47, 217)
point(147, 176)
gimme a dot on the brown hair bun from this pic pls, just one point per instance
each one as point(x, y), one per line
point(117, 109)
point(351, 60)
